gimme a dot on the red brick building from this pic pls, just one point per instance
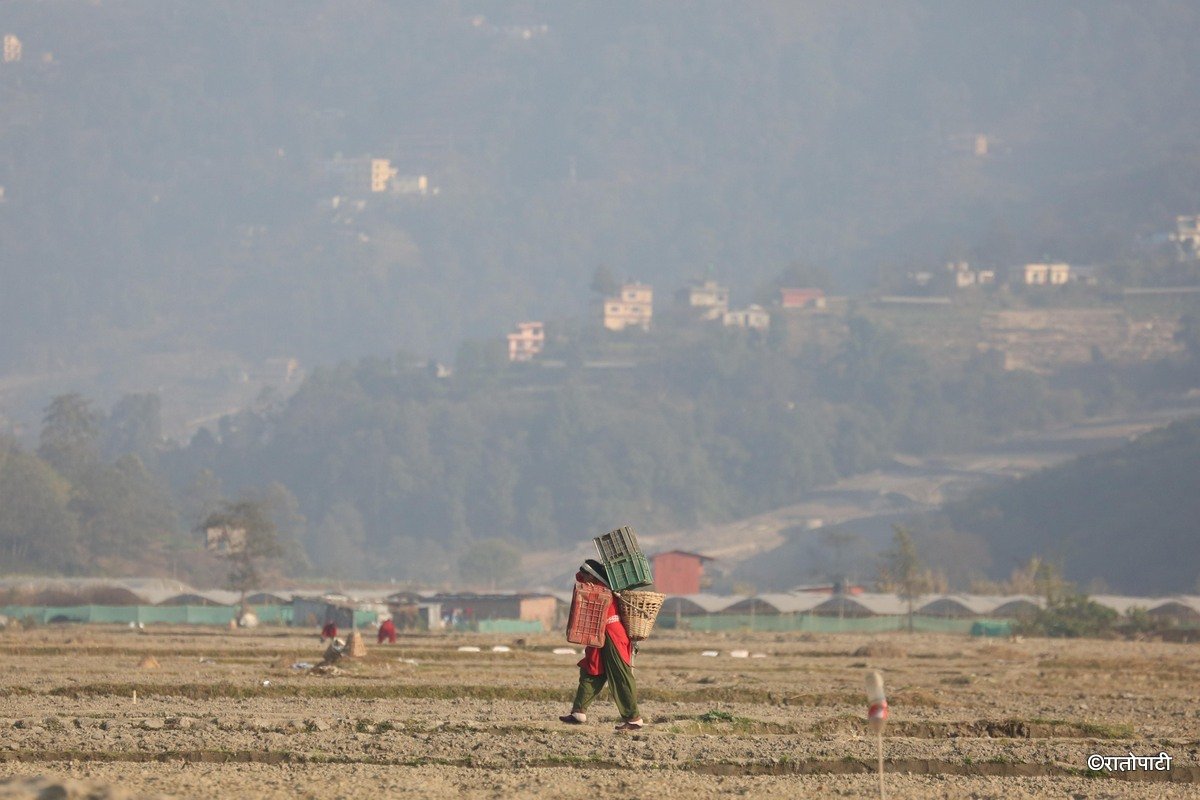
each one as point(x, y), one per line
point(678, 572)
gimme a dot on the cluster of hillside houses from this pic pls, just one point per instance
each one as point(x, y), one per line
point(632, 307)
point(167, 601)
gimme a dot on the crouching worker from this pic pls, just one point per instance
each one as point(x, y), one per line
point(387, 632)
point(612, 663)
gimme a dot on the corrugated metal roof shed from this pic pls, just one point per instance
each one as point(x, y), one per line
point(1181, 608)
point(205, 597)
point(692, 605)
point(776, 604)
point(1017, 605)
point(954, 606)
point(864, 605)
point(270, 597)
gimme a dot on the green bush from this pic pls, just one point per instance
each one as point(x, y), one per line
point(1070, 617)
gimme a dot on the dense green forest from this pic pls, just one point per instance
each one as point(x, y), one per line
point(380, 468)
point(163, 192)
point(1126, 517)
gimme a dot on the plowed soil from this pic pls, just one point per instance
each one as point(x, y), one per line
point(230, 714)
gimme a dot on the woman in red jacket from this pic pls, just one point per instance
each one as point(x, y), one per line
point(611, 663)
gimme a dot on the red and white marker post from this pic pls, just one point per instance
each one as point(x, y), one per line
point(877, 714)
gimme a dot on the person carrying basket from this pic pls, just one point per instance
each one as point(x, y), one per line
point(611, 663)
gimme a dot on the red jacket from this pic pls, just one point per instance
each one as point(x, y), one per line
point(615, 631)
point(387, 630)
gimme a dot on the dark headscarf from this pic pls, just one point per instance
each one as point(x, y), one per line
point(595, 569)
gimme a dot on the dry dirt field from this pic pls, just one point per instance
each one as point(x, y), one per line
point(225, 714)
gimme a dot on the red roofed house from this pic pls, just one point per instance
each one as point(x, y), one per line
point(802, 298)
point(678, 572)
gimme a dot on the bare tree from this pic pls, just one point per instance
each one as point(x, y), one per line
point(244, 534)
point(903, 572)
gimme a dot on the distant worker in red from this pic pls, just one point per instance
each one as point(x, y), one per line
point(387, 631)
point(612, 663)
point(329, 631)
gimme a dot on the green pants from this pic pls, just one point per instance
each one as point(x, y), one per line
point(619, 674)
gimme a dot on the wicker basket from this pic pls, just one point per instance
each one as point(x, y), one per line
point(638, 611)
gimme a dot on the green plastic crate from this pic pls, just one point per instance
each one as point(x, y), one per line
point(625, 573)
point(618, 544)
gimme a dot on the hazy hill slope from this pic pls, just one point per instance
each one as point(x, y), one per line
point(1127, 516)
point(161, 162)
point(386, 460)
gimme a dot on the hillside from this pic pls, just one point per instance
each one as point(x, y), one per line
point(387, 468)
point(1126, 516)
point(260, 224)
point(170, 171)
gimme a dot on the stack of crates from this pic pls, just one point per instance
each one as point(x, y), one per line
point(624, 561)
